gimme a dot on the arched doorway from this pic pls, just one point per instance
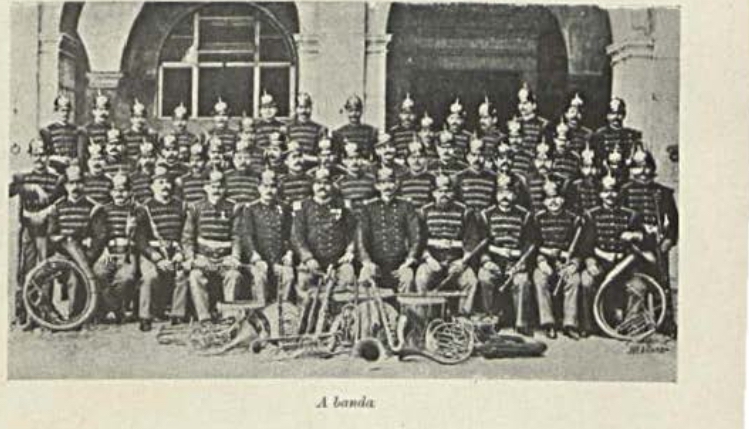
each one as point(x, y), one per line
point(195, 52)
point(440, 52)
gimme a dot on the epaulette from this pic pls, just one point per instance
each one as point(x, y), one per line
point(370, 201)
point(459, 204)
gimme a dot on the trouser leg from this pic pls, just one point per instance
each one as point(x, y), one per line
point(521, 286)
point(198, 282)
point(571, 290)
point(179, 294)
point(588, 283)
point(541, 280)
point(150, 278)
point(259, 273)
point(232, 283)
point(468, 283)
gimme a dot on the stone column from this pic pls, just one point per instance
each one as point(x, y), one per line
point(308, 50)
point(376, 79)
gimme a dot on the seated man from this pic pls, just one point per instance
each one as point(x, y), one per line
point(322, 236)
point(450, 227)
point(511, 232)
point(212, 244)
point(266, 233)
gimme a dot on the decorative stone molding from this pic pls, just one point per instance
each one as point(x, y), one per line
point(104, 79)
point(307, 43)
point(378, 43)
point(631, 48)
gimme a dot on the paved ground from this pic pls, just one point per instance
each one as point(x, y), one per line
point(124, 352)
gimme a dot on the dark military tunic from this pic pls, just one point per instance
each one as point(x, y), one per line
point(307, 134)
point(113, 167)
point(461, 140)
point(97, 188)
point(514, 230)
point(322, 231)
point(133, 139)
point(389, 232)
point(79, 220)
point(365, 137)
point(190, 187)
point(535, 184)
point(241, 186)
point(263, 130)
point(447, 168)
point(402, 137)
point(120, 233)
point(96, 133)
point(578, 138)
point(604, 226)
point(48, 180)
point(656, 205)
point(176, 170)
point(606, 139)
point(162, 228)
point(228, 138)
point(355, 190)
point(566, 165)
point(417, 188)
point(140, 183)
point(491, 139)
point(185, 140)
point(213, 230)
point(533, 131)
point(266, 229)
point(448, 229)
point(476, 189)
point(63, 139)
point(294, 188)
point(556, 230)
point(583, 194)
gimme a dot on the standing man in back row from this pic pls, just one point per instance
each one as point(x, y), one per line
point(355, 131)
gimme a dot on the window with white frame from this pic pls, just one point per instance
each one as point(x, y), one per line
point(232, 51)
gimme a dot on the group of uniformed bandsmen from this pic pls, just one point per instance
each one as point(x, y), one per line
point(179, 221)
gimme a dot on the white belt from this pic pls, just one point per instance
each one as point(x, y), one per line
point(651, 229)
point(118, 242)
point(444, 243)
point(159, 243)
point(608, 256)
point(213, 244)
point(497, 250)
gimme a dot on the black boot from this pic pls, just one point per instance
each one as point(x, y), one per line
point(145, 325)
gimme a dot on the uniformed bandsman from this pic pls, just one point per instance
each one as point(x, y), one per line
point(117, 268)
point(95, 132)
point(64, 141)
point(522, 160)
point(326, 159)
point(616, 165)
point(456, 120)
point(268, 123)
point(170, 157)
point(162, 254)
point(302, 129)
point(417, 184)
point(140, 179)
point(114, 156)
point(223, 131)
point(322, 235)
point(389, 237)
point(607, 233)
point(447, 163)
point(503, 163)
point(450, 231)
point(190, 187)
point(614, 135)
point(137, 132)
point(216, 159)
point(537, 177)
point(273, 154)
point(295, 185)
point(488, 131)
point(247, 139)
point(475, 186)
point(356, 185)
point(405, 131)
point(242, 181)
point(37, 190)
point(557, 262)
point(511, 233)
point(533, 127)
point(657, 206)
point(355, 131)
point(77, 230)
point(428, 137)
point(583, 193)
point(266, 232)
point(386, 153)
point(185, 139)
point(212, 244)
point(96, 184)
point(566, 163)
point(579, 136)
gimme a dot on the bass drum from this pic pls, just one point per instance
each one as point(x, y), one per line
point(630, 309)
point(58, 295)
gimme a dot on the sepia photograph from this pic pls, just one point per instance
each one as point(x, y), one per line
point(468, 190)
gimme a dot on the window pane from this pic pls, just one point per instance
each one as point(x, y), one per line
point(219, 34)
point(232, 84)
point(177, 89)
point(276, 81)
point(179, 41)
point(274, 49)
